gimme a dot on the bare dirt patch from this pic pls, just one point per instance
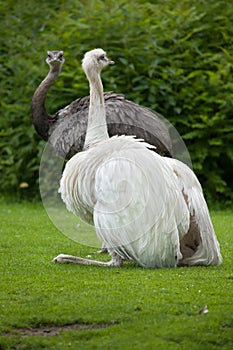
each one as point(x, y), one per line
point(53, 330)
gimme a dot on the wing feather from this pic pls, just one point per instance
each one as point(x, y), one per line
point(208, 252)
point(139, 209)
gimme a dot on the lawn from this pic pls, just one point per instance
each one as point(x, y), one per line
point(51, 306)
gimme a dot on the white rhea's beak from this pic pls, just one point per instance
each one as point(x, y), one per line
point(110, 62)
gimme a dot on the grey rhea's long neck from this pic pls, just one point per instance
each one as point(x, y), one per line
point(40, 117)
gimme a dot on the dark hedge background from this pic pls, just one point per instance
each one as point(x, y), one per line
point(172, 56)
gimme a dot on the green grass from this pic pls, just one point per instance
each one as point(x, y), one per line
point(108, 308)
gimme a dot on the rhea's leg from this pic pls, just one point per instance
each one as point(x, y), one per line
point(190, 242)
point(103, 250)
point(64, 259)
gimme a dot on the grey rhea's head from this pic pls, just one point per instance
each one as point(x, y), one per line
point(55, 58)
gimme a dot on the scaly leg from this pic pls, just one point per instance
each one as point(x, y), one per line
point(64, 259)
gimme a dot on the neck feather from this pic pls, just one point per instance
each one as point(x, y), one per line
point(40, 117)
point(96, 127)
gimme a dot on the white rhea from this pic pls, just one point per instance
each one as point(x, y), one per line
point(144, 207)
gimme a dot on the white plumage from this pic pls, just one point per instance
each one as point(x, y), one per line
point(144, 207)
point(208, 250)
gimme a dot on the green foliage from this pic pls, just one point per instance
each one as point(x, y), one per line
point(140, 308)
point(172, 56)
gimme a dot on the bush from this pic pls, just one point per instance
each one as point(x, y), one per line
point(173, 57)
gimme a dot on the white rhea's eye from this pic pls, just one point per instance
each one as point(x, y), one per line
point(102, 58)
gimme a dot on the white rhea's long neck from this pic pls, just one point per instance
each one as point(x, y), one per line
point(97, 126)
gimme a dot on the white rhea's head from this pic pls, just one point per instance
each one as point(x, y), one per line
point(94, 61)
point(55, 59)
